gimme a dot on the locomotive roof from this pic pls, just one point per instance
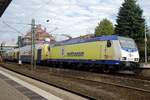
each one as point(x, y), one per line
point(83, 40)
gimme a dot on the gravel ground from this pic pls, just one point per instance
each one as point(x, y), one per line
point(146, 73)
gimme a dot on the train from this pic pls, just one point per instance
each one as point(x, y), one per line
point(107, 53)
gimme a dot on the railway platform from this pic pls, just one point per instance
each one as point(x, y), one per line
point(17, 87)
point(7, 92)
point(145, 66)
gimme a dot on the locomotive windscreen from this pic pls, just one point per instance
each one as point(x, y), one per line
point(127, 42)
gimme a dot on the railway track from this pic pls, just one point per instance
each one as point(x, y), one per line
point(127, 81)
point(103, 85)
point(131, 83)
point(120, 81)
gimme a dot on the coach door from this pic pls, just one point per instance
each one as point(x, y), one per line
point(48, 52)
point(39, 52)
point(18, 55)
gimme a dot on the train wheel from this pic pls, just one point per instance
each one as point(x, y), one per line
point(137, 71)
point(106, 69)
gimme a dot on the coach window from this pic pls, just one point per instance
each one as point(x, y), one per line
point(109, 43)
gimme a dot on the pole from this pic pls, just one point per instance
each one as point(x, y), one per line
point(145, 46)
point(33, 44)
point(34, 38)
point(1, 52)
point(1, 48)
point(19, 45)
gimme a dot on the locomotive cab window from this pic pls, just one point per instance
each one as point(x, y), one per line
point(109, 43)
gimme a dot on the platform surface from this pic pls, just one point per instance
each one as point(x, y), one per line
point(12, 88)
point(19, 86)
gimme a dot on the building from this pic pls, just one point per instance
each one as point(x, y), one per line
point(40, 36)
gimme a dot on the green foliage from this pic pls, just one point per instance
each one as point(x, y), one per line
point(130, 22)
point(105, 27)
point(141, 46)
point(148, 31)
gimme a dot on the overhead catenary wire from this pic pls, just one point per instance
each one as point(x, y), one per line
point(41, 6)
point(12, 28)
point(38, 9)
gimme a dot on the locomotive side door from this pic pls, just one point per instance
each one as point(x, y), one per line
point(109, 50)
point(18, 55)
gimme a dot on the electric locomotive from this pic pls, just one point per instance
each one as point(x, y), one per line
point(110, 53)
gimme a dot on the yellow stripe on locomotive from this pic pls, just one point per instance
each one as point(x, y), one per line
point(86, 51)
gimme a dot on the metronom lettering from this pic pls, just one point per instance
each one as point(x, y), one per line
point(75, 54)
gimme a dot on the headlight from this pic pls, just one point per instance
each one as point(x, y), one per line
point(136, 59)
point(124, 58)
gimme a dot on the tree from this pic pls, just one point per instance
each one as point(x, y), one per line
point(130, 22)
point(147, 30)
point(148, 46)
point(105, 27)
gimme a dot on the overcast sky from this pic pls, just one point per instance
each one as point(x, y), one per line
point(73, 17)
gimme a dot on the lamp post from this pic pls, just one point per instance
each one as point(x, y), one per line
point(145, 45)
point(33, 42)
point(19, 45)
point(33, 61)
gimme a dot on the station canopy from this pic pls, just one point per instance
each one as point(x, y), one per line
point(3, 5)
